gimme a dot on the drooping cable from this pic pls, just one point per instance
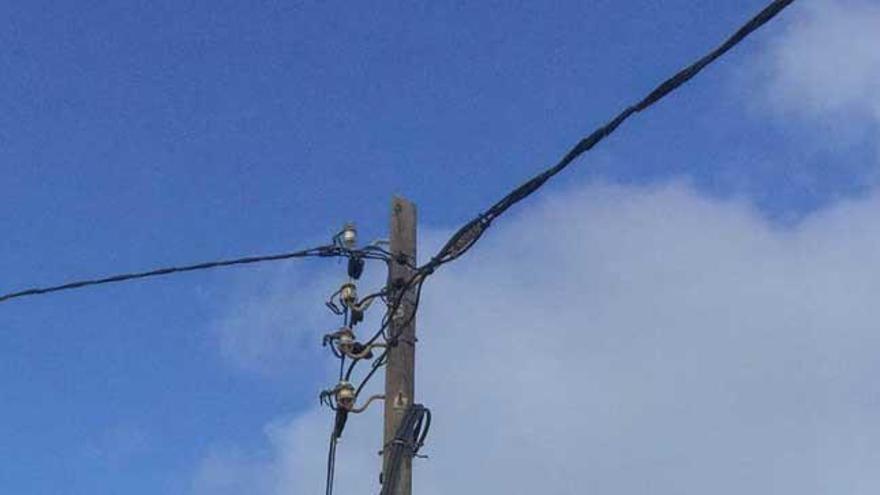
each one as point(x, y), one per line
point(331, 467)
point(331, 463)
point(471, 232)
point(380, 361)
point(392, 340)
point(409, 438)
point(329, 251)
point(322, 251)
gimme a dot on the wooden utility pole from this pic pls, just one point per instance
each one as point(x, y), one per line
point(400, 370)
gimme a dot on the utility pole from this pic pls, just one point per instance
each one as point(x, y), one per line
point(400, 370)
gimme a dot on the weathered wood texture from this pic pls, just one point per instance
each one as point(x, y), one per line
point(400, 371)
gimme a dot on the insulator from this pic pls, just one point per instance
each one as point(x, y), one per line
point(349, 236)
point(345, 395)
point(348, 294)
point(346, 340)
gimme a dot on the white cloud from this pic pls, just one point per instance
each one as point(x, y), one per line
point(828, 61)
point(621, 340)
point(231, 472)
point(270, 329)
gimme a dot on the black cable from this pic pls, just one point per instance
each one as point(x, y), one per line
point(323, 251)
point(415, 308)
point(408, 439)
point(468, 235)
point(382, 360)
point(401, 293)
point(331, 465)
point(386, 322)
point(341, 366)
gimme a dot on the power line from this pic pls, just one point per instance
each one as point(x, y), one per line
point(323, 251)
point(392, 340)
point(331, 454)
point(471, 232)
point(408, 439)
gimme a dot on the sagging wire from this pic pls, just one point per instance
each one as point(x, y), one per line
point(408, 440)
point(321, 251)
point(468, 235)
point(394, 309)
point(381, 361)
point(340, 248)
point(391, 340)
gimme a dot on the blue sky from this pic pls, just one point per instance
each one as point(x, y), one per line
point(136, 134)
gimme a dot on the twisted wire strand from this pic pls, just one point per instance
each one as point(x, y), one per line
point(468, 235)
point(322, 251)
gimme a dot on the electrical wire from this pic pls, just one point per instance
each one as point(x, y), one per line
point(321, 252)
point(470, 233)
point(382, 360)
point(391, 340)
point(409, 438)
point(331, 464)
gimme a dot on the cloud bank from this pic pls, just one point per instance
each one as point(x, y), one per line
point(828, 60)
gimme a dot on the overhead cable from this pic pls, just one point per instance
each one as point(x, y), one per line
point(323, 251)
point(471, 232)
point(408, 439)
